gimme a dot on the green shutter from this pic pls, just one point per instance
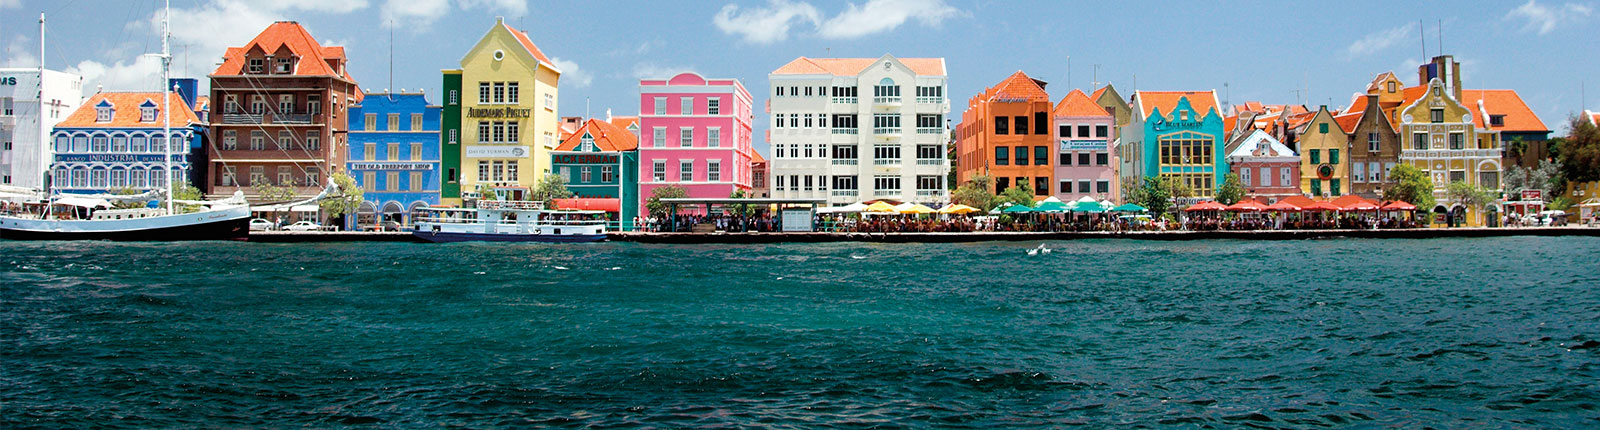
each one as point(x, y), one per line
point(1333, 186)
point(1316, 156)
point(1316, 187)
point(1323, 127)
point(1333, 156)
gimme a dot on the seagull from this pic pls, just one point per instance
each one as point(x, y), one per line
point(1037, 250)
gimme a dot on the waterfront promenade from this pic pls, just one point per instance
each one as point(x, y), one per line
point(731, 238)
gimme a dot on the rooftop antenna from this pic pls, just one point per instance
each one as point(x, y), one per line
point(1069, 71)
point(1227, 95)
point(1423, 36)
point(1095, 84)
point(391, 60)
point(1441, 36)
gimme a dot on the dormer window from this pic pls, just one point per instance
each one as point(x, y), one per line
point(147, 111)
point(1391, 86)
point(1497, 120)
point(103, 111)
point(1183, 116)
point(256, 65)
point(284, 65)
point(588, 143)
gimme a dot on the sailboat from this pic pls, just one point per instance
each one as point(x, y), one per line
point(93, 218)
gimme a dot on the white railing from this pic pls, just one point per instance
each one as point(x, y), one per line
point(935, 100)
point(886, 131)
point(844, 100)
point(887, 100)
point(844, 161)
point(1450, 153)
point(931, 161)
point(884, 161)
point(930, 130)
point(930, 193)
point(510, 205)
point(845, 193)
point(885, 193)
point(851, 130)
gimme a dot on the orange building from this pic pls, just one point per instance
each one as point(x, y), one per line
point(1006, 134)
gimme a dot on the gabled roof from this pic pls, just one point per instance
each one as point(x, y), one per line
point(1518, 117)
point(126, 112)
point(625, 121)
point(1592, 116)
point(1078, 104)
point(1017, 86)
point(1270, 146)
point(755, 157)
point(528, 45)
point(202, 103)
point(290, 35)
point(854, 66)
point(1380, 79)
point(1201, 101)
point(1348, 121)
point(1297, 119)
point(607, 137)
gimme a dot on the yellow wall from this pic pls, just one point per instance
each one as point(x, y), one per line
point(535, 80)
point(1314, 139)
point(1481, 149)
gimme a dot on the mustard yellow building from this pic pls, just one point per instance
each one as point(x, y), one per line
point(1324, 156)
point(1440, 136)
point(504, 103)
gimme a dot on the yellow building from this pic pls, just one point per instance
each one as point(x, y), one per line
point(1440, 136)
point(1324, 150)
point(507, 115)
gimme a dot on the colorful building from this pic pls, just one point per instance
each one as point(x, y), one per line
point(394, 157)
point(1005, 134)
point(1374, 143)
point(695, 133)
point(500, 113)
point(600, 164)
point(115, 141)
point(1177, 136)
point(25, 122)
point(1324, 147)
point(1267, 168)
point(1441, 136)
point(1085, 149)
point(854, 129)
point(279, 114)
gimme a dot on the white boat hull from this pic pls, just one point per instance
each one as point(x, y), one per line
point(222, 223)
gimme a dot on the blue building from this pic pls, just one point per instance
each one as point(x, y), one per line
point(114, 141)
point(394, 157)
point(1175, 135)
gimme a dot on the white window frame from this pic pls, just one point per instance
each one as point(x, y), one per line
point(685, 137)
point(686, 170)
point(714, 170)
point(713, 137)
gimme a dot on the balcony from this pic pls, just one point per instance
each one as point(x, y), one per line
point(845, 161)
point(293, 118)
point(242, 118)
point(885, 193)
point(848, 100)
point(1433, 154)
point(931, 161)
point(888, 101)
point(845, 193)
point(930, 130)
point(852, 130)
point(930, 100)
point(886, 131)
point(886, 162)
point(930, 193)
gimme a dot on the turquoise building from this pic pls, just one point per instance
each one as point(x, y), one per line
point(1176, 135)
point(600, 163)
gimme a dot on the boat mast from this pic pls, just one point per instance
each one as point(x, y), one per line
point(45, 155)
point(166, 99)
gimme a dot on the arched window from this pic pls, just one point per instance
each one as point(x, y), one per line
point(119, 178)
point(886, 91)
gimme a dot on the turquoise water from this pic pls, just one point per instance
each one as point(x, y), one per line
point(1477, 333)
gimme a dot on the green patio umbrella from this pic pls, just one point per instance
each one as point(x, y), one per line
point(1017, 209)
point(1089, 207)
point(1129, 207)
point(1052, 207)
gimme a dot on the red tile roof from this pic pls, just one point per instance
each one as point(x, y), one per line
point(291, 36)
point(1594, 117)
point(854, 66)
point(607, 137)
point(126, 112)
point(1017, 86)
point(1518, 117)
point(528, 44)
point(1201, 101)
point(625, 121)
point(1348, 121)
point(1098, 92)
point(1078, 104)
point(755, 157)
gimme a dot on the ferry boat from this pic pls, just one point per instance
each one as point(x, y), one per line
point(509, 221)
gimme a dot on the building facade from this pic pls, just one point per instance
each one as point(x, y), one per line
point(694, 133)
point(1267, 168)
point(1324, 163)
point(1005, 135)
point(855, 129)
point(1176, 136)
point(1084, 150)
point(1440, 136)
point(1375, 147)
point(600, 164)
point(505, 96)
point(279, 114)
point(115, 141)
point(394, 157)
point(24, 121)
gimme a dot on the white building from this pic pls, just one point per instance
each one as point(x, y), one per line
point(855, 129)
point(23, 157)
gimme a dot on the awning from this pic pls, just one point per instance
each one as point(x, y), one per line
point(1247, 206)
point(83, 202)
point(590, 204)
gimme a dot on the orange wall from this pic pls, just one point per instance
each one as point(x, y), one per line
point(976, 141)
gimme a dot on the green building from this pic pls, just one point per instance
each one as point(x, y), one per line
point(450, 140)
point(600, 163)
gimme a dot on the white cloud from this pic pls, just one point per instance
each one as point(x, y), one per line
point(412, 13)
point(657, 71)
point(21, 52)
point(513, 8)
point(1376, 42)
point(1545, 19)
point(571, 73)
point(7, 4)
point(142, 74)
point(876, 16)
point(764, 25)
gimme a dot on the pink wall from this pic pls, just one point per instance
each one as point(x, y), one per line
point(1277, 187)
point(732, 120)
point(1092, 172)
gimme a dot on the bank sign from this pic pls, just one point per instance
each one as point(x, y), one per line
point(391, 166)
point(584, 158)
point(8, 80)
point(499, 112)
point(1082, 145)
point(114, 158)
point(497, 151)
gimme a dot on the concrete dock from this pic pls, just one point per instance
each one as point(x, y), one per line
point(728, 238)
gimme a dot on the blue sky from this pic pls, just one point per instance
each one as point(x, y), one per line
point(1274, 52)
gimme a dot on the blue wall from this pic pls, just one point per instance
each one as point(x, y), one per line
point(381, 163)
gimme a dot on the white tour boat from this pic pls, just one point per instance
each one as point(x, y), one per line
point(509, 221)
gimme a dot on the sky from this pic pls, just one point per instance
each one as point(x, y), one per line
point(1313, 53)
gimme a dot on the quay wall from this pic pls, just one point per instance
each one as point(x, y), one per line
point(734, 238)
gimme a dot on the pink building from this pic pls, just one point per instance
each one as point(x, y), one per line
point(694, 133)
point(1085, 153)
point(1269, 170)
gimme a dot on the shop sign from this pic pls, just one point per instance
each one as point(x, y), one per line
point(391, 166)
point(1533, 195)
point(114, 158)
point(1082, 145)
point(499, 112)
point(497, 151)
point(585, 158)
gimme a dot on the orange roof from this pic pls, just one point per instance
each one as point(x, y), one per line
point(625, 121)
point(528, 44)
point(607, 137)
point(1518, 117)
point(1594, 117)
point(1078, 104)
point(1228, 123)
point(755, 157)
point(1097, 93)
point(1017, 86)
point(291, 36)
point(854, 66)
point(125, 111)
point(1373, 86)
point(1299, 119)
point(202, 103)
point(1202, 101)
point(1348, 121)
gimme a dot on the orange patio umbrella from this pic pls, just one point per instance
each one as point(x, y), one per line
point(1206, 206)
point(1247, 206)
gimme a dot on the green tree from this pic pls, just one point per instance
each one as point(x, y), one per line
point(1468, 195)
point(749, 210)
point(1231, 191)
point(1132, 191)
point(1179, 188)
point(654, 204)
point(550, 188)
point(1019, 194)
point(486, 192)
point(346, 199)
point(975, 193)
point(126, 204)
point(1560, 204)
point(186, 191)
point(1156, 195)
point(1546, 177)
point(1410, 185)
point(272, 193)
point(1579, 152)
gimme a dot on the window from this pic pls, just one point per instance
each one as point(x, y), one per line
point(1065, 159)
point(314, 103)
point(1244, 177)
point(685, 137)
point(1002, 125)
point(257, 65)
point(1333, 156)
point(1497, 120)
point(455, 96)
point(230, 140)
point(119, 144)
point(369, 122)
point(284, 140)
point(391, 152)
point(1372, 142)
point(1316, 156)
point(606, 174)
point(1316, 187)
point(658, 170)
point(1022, 125)
point(416, 152)
point(713, 137)
point(499, 172)
point(483, 170)
point(511, 170)
point(686, 170)
point(140, 144)
point(886, 154)
point(416, 122)
point(394, 122)
point(1490, 179)
point(929, 123)
point(499, 92)
point(313, 141)
point(844, 183)
point(99, 144)
point(714, 170)
point(1333, 187)
point(1000, 184)
point(714, 106)
point(452, 175)
point(283, 65)
point(794, 120)
point(660, 105)
point(1041, 186)
point(1002, 156)
point(1457, 176)
point(1266, 177)
point(1322, 128)
point(1101, 158)
point(1041, 126)
point(1374, 172)
point(102, 114)
point(141, 178)
point(1101, 131)
point(313, 177)
point(549, 101)
point(842, 152)
point(1020, 155)
point(1041, 157)
point(513, 132)
point(258, 104)
point(97, 178)
point(1102, 186)
point(1419, 141)
point(1457, 141)
point(284, 176)
point(1436, 115)
point(809, 182)
point(885, 123)
point(454, 135)
point(1358, 172)
point(587, 174)
point(886, 183)
point(392, 181)
point(512, 92)
point(414, 183)
point(686, 106)
point(1064, 186)
point(1284, 177)
point(778, 183)
point(1083, 130)
point(1084, 186)
point(286, 104)
point(808, 123)
point(147, 114)
point(658, 137)
point(779, 92)
point(483, 92)
point(927, 152)
point(1083, 158)
point(369, 181)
